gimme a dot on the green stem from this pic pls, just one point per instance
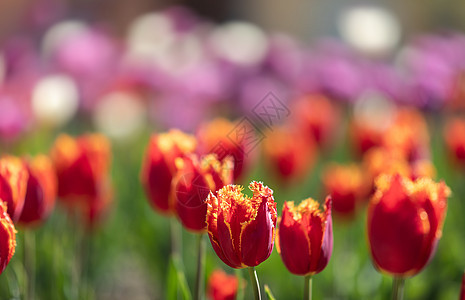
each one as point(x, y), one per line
point(308, 287)
point(255, 284)
point(240, 286)
point(398, 288)
point(29, 262)
point(199, 283)
point(176, 237)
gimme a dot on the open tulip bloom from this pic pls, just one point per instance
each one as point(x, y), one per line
point(405, 220)
point(242, 229)
point(305, 239)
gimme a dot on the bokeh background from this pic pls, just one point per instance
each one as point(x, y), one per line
point(131, 68)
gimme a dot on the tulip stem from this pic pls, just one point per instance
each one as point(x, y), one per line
point(308, 287)
point(398, 288)
point(29, 262)
point(199, 283)
point(255, 284)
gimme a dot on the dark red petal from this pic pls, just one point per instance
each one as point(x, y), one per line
point(257, 238)
point(227, 241)
point(294, 245)
point(396, 231)
point(327, 244)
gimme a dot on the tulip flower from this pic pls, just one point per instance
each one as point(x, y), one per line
point(242, 229)
point(193, 183)
point(222, 286)
point(305, 238)
point(41, 191)
point(13, 183)
point(317, 117)
point(7, 237)
point(408, 135)
point(347, 186)
point(158, 168)
point(405, 220)
point(225, 138)
point(82, 169)
point(454, 135)
point(289, 154)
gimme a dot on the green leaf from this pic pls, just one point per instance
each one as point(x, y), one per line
point(176, 281)
point(268, 293)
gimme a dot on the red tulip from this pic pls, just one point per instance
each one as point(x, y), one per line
point(365, 135)
point(347, 186)
point(405, 220)
point(41, 190)
point(13, 183)
point(305, 237)
point(81, 165)
point(158, 168)
point(225, 138)
point(82, 168)
point(7, 237)
point(288, 153)
point(193, 183)
point(317, 117)
point(454, 134)
point(222, 286)
point(242, 229)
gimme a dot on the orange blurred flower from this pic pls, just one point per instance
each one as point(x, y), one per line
point(193, 183)
point(13, 183)
point(222, 286)
point(454, 135)
point(82, 167)
point(408, 135)
point(242, 229)
point(348, 187)
point(41, 190)
point(158, 166)
point(288, 154)
point(317, 117)
point(305, 236)
point(225, 138)
point(7, 237)
point(365, 136)
point(405, 220)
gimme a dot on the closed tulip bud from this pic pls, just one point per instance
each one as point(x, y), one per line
point(158, 167)
point(41, 191)
point(82, 168)
point(222, 286)
point(193, 183)
point(225, 138)
point(348, 188)
point(13, 183)
point(288, 153)
point(405, 220)
point(81, 165)
point(7, 237)
point(305, 237)
point(242, 229)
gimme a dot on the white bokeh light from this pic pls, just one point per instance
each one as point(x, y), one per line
point(370, 29)
point(59, 32)
point(55, 100)
point(120, 115)
point(240, 42)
